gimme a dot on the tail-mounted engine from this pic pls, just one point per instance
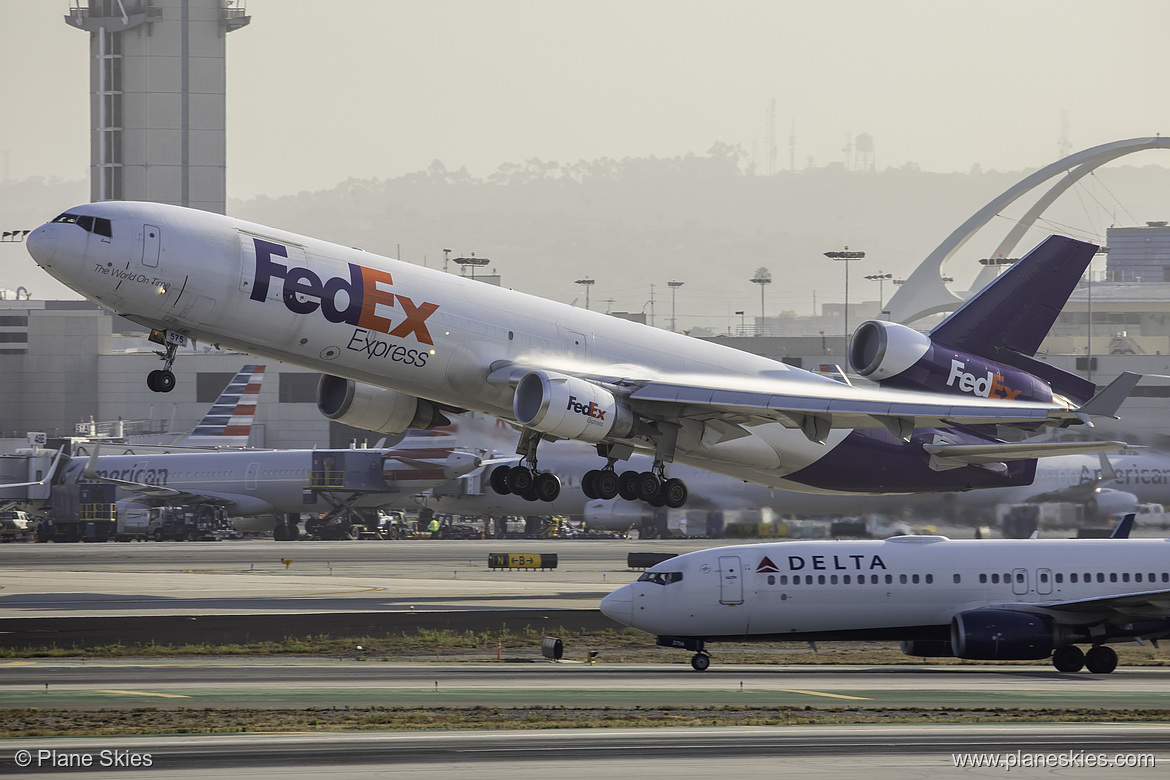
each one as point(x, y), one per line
point(375, 408)
point(570, 408)
point(897, 356)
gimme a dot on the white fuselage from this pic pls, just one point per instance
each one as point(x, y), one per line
point(464, 344)
point(887, 589)
point(263, 482)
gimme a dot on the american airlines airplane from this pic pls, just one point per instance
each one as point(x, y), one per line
point(209, 467)
point(403, 345)
point(984, 600)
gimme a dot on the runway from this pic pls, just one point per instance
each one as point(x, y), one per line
point(281, 683)
point(882, 752)
point(214, 592)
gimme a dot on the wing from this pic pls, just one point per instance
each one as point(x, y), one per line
point(1122, 608)
point(817, 407)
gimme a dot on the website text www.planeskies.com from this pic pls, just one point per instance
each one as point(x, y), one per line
point(1068, 759)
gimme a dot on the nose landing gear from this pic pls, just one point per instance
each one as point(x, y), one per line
point(163, 380)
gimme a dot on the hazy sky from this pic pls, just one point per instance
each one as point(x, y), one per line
point(319, 92)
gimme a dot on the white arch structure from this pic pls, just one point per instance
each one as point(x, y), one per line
point(925, 293)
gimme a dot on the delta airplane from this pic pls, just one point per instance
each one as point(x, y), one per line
point(984, 600)
point(402, 345)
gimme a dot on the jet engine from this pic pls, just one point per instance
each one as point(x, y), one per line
point(570, 407)
point(897, 356)
point(375, 408)
point(1002, 635)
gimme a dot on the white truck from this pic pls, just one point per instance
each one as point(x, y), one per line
point(16, 526)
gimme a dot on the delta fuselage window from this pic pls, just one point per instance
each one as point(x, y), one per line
point(661, 577)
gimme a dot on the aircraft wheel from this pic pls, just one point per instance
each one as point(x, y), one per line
point(675, 492)
point(529, 494)
point(520, 479)
point(1068, 659)
point(658, 501)
point(546, 486)
point(700, 662)
point(499, 480)
point(160, 381)
point(648, 485)
point(1101, 660)
point(627, 487)
point(606, 484)
point(588, 485)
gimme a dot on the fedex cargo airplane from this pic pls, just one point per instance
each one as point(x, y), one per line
point(401, 346)
point(984, 600)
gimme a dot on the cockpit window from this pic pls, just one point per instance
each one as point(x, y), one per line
point(99, 225)
point(661, 577)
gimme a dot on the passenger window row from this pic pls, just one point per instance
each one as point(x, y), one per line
point(847, 579)
point(1076, 577)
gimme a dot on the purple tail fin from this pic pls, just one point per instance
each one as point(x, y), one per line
point(1008, 319)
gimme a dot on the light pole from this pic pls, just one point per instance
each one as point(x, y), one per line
point(762, 278)
point(470, 262)
point(742, 327)
point(586, 283)
point(880, 278)
point(846, 257)
point(14, 235)
point(673, 284)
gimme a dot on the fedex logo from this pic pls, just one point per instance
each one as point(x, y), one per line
point(362, 292)
point(990, 386)
point(590, 409)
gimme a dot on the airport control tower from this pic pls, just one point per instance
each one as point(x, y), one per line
point(157, 84)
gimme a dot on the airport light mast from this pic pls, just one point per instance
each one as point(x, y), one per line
point(673, 284)
point(470, 262)
point(586, 283)
point(763, 277)
point(846, 257)
point(880, 278)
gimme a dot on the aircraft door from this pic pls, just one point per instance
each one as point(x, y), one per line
point(575, 341)
point(1044, 581)
point(1019, 581)
point(151, 245)
point(250, 478)
point(730, 580)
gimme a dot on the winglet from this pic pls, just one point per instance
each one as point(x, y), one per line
point(1123, 528)
point(1108, 401)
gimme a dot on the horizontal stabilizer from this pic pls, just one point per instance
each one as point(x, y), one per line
point(1108, 401)
point(995, 453)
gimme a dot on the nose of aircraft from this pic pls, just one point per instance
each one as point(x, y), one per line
point(619, 606)
point(42, 244)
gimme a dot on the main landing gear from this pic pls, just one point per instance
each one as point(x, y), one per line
point(524, 479)
point(1100, 659)
point(650, 486)
point(163, 379)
